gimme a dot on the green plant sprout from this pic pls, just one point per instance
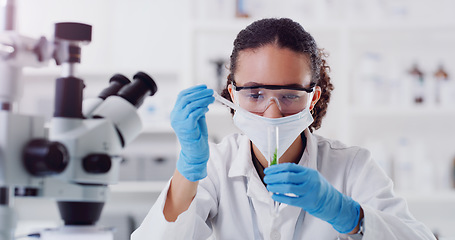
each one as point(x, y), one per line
point(274, 158)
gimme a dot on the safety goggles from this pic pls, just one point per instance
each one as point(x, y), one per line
point(257, 98)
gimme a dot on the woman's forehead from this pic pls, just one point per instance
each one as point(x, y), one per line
point(273, 65)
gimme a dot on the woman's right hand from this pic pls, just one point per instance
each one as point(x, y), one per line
point(189, 124)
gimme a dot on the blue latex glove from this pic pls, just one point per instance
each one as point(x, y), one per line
point(308, 189)
point(188, 122)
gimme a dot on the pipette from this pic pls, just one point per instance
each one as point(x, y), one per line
point(226, 102)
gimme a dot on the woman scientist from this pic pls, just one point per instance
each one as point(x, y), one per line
point(321, 189)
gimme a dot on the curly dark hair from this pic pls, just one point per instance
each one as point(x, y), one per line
point(285, 33)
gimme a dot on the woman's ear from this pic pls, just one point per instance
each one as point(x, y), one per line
point(316, 97)
point(231, 91)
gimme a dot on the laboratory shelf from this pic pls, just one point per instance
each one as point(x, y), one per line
point(157, 127)
point(237, 24)
point(447, 195)
point(138, 186)
point(82, 70)
point(228, 25)
point(400, 25)
point(409, 111)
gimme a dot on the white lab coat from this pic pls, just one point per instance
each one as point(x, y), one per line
point(233, 203)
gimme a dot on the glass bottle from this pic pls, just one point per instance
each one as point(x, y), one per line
point(418, 83)
point(441, 78)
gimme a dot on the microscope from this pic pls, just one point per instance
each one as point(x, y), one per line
point(79, 157)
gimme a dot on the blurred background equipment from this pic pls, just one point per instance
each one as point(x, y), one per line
point(80, 157)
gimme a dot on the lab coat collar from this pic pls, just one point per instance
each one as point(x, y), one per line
point(310, 155)
point(242, 163)
point(243, 166)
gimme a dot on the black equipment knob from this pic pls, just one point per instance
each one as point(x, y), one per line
point(136, 92)
point(73, 31)
point(42, 157)
point(97, 163)
point(41, 49)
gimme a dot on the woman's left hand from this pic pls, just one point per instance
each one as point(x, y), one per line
point(308, 189)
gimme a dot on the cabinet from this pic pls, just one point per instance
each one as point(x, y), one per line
point(411, 140)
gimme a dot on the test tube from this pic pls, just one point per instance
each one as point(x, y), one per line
point(273, 158)
point(273, 145)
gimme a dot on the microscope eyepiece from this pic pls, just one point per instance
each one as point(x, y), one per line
point(137, 91)
point(119, 78)
point(148, 81)
point(116, 83)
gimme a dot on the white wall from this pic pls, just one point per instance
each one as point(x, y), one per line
point(127, 35)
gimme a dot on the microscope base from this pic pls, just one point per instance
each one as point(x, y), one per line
point(7, 222)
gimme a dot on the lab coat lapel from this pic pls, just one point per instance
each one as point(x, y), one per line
point(310, 155)
point(256, 189)
point(242, 160)
point(242, 166)
point(309, 159)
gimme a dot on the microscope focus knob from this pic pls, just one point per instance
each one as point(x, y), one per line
point(97, 163)
point(42, 157)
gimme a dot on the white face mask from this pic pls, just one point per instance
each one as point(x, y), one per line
point(260, 130)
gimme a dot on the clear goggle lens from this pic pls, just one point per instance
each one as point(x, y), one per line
point(257, 100)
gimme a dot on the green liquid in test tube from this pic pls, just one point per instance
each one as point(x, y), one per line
point(275, 154)
point(273, 135)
